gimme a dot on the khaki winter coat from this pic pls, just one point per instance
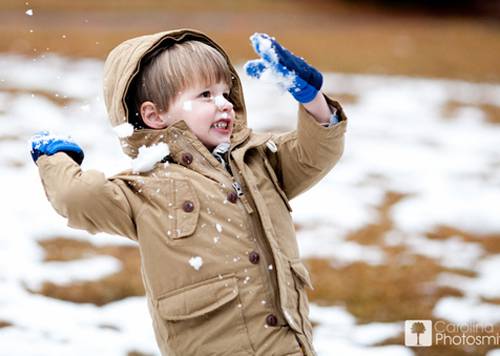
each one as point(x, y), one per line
point(243, 293)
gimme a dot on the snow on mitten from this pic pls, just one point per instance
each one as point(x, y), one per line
point(284, 68)
point(43, 143)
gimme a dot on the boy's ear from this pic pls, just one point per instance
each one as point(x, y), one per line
point(151, 116)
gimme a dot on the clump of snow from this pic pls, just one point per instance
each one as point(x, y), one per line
point(220, 101)
point(196, 262)
point(149, 156)
point(124, 130)
point(265, 46)
point(270, 74)
point(187, 105)
point(45, 137)
point(218, 227)
point(29, 12)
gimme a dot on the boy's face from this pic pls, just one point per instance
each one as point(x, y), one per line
point(207, 112)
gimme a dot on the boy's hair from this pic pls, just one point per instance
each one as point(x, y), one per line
point(171, 70)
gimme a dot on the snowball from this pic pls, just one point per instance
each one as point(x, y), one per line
point(124, 130)
point(149, 156)
point(196, 262)
point(29, 12)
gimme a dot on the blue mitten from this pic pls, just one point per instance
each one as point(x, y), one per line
point(45, 144)
point(289, 71)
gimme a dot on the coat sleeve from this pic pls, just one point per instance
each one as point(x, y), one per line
point(306, 155)
point(87, 199)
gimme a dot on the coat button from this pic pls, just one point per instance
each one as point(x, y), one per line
point(232, 197)
point(254, 257)
point(188, 206)
point(271, 320)
point(187, 158)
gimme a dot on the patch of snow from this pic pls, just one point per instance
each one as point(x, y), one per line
point(196, 262)
point(124, 130)
point(484, 285)
point(149, 156)
point(218, 227)
point(466, 310)
point(187, 105)
point(66, 272)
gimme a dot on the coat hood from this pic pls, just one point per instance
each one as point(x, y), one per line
point(123, 64)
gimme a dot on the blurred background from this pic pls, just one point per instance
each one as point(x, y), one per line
point(411, 226)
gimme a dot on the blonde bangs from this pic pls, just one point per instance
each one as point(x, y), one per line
point(197, 64)
point(176, 68)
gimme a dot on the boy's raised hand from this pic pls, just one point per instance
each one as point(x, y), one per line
point(44, 143)
point(289, 71)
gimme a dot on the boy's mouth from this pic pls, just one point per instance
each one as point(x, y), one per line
point(223, 125)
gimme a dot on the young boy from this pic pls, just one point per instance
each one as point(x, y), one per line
point(220, 261)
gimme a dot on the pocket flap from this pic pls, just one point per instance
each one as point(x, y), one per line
point(186, 220)
point(301, 272)
point(198, 299)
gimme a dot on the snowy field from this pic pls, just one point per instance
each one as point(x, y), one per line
point(400, 138)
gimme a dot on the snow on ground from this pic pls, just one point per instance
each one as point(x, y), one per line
point(398, 139)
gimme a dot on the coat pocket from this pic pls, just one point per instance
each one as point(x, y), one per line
point(276, 183)
point(185, 211)
point(206, 318)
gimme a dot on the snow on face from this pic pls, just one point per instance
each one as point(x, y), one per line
point(149, 156)
point(124, 130)
point(220, 101)
point(196, 262)
point(187, 105)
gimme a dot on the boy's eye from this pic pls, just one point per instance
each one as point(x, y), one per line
point(205, 94)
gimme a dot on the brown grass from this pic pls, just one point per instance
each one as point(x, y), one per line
point(489, 242)
point(4, 324)
point(391, 292)
point(375, 233)
point(114, 287)
point(492, 112)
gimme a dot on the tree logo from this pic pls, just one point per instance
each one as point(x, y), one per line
point(418, 333)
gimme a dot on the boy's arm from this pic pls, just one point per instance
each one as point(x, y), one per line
point(87, 199)
point(304, 156)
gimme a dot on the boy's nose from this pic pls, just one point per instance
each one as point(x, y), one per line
point(223, 104)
